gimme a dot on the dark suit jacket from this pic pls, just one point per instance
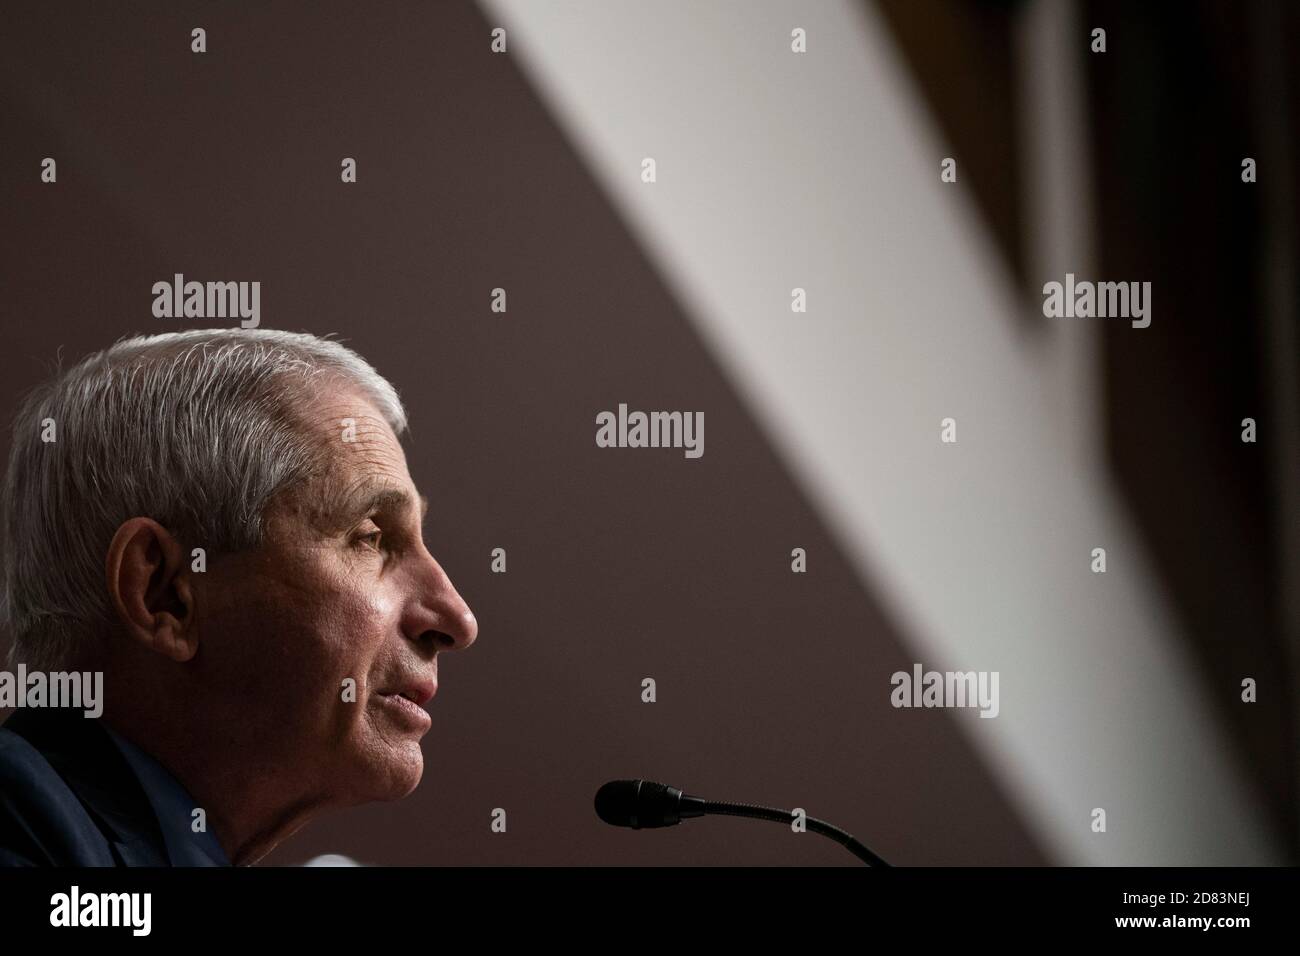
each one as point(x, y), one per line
point(69, 797)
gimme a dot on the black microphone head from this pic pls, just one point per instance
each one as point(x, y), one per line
point(638, 804)
point(615, 802)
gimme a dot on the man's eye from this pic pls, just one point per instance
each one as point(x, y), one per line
point(372, 538)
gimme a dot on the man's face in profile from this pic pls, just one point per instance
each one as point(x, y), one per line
point(343, 589)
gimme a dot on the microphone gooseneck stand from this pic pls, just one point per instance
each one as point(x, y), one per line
point(649, 805)
point(756, 812)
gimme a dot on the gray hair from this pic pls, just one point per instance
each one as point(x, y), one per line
point(196, 430)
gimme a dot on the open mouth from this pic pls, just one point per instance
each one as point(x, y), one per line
point(418, 690)
point(405, 707)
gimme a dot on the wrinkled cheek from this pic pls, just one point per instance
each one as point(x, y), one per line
point(310, 660)
point(353, 638)
point(356, 627)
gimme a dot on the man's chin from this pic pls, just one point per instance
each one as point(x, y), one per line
point(402, 772)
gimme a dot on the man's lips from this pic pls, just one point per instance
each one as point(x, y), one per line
point(407, 702)
point(419, 690)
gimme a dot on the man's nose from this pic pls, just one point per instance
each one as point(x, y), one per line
point(440, 615)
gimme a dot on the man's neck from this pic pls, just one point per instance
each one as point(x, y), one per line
point(244, 812)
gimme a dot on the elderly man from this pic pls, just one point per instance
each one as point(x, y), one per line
point(222, 523)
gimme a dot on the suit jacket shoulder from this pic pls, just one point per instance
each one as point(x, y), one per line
point(69, 798)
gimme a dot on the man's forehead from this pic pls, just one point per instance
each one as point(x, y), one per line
point(365, 466)
point(338, 412)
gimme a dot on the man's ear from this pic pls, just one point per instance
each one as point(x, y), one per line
point(149, 589)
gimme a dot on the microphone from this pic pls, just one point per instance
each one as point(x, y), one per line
point(645, 805)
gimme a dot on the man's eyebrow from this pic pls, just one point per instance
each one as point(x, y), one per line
point(370, 499)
